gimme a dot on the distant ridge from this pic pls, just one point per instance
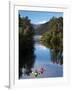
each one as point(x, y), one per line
point(41, 28)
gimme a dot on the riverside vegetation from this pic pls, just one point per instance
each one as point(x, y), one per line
point(51, 38)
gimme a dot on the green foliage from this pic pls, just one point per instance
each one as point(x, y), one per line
point(20, 30)
point(46, 39)
point(56, 23)
point(54, 38)
point(20, 21)
point(26, 45)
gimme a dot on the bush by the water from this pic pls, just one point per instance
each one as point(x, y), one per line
point(26, 45)
point(53, 39)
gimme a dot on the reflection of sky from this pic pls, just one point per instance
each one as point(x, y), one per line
point(39, 17)
point(43, 61)
point(42, 54)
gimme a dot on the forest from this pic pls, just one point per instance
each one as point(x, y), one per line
point(51, 38)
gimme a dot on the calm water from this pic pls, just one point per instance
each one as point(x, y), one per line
point(43, 60)
point(42, 53)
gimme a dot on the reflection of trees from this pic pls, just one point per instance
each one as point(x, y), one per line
point(26, 45)
point(54, 39)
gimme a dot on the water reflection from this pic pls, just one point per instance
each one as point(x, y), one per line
point(43, 67)
point(42, 53)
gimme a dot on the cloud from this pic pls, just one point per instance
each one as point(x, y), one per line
point(41, 22)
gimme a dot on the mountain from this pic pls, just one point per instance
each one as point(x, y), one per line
point(45, 27)
point(41, 28)
point(36, 26)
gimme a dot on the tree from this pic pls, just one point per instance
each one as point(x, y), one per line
point(20, 21)
point(54, 39)
point(26, 46)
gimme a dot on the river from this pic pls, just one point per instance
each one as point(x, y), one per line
point(43, 55)
point(43, 60)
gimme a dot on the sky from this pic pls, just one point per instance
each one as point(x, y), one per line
point(39, 17)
